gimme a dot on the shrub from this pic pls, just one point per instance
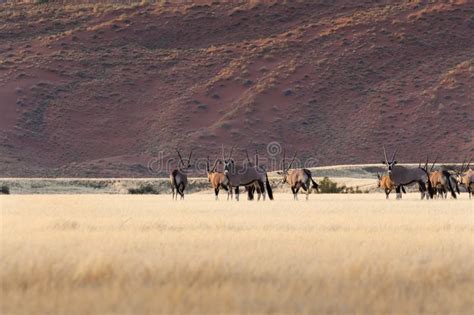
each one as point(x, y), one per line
point(96, 185)
point(5, 190)
point(352, 190)
point(327, 186)
point(143, 189)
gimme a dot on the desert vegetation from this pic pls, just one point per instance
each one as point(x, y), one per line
point(143, 189)
point(5, 190)
point(328, 186)
point(116, 254)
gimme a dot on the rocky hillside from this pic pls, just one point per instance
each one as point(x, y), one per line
point(100, 89)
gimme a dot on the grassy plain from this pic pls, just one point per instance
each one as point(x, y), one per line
point(124, 254)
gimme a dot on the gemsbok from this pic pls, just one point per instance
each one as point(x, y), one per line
point(384, 182)
point(441, 181)
point(217, 179)
point(179, 178)
point(252, 188)
point(402, 176)
point(245, 175)
point(297, 178)
point(465, 177)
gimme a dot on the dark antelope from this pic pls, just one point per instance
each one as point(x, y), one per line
point(297, 178)
point(402, 176)
point(245, 175)
point(252, 188)
point(179, 178)
point(217, 179)
point(465, 177)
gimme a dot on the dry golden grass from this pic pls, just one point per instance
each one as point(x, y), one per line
point(116, 254)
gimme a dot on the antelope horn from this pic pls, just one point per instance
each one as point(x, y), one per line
point(468, 164)
point(283, 161)
point(223, 153)
point(436, 159)
point(385, 154)
point(208, 164)
point(190, 155)
point(256, 157)
point(180, 157)
point(463, 164)
point(215, 164)
point(394, 153)
point(289, 165)
point(247, 154)
point(426, 163)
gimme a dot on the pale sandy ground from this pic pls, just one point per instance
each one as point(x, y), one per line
point(136, 254)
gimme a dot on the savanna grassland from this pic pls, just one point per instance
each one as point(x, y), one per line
point(123, 254)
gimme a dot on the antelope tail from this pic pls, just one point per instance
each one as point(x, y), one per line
point(315, 185)
point(451, 189)
point(428, 184)
point(173, 178)
point(430, 189)
point(269, 189)
point(250, 191)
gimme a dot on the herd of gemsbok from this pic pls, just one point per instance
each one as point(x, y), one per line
point(254, 178)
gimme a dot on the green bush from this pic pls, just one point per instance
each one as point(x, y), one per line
point(5, 190)
point(328, 186)
point(143, 189)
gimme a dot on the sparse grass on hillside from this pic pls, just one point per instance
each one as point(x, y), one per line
point(118, 82)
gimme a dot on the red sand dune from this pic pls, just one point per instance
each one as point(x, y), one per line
point(100, 89)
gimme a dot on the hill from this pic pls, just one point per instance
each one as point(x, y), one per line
point(101, 89)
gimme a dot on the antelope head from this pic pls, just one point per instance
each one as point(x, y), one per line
point(464, 168)
point(229, 164)
point(433, 165)
point(284, 171)
point(212, 170)
point(390, 164)
point(184, 165)
point(379, 180)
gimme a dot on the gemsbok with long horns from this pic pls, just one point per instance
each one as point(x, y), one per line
point(218, 180)
point(179, 178)
point(402, 176)
point(465, 177)
point(245, 175)
point(297, 178)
